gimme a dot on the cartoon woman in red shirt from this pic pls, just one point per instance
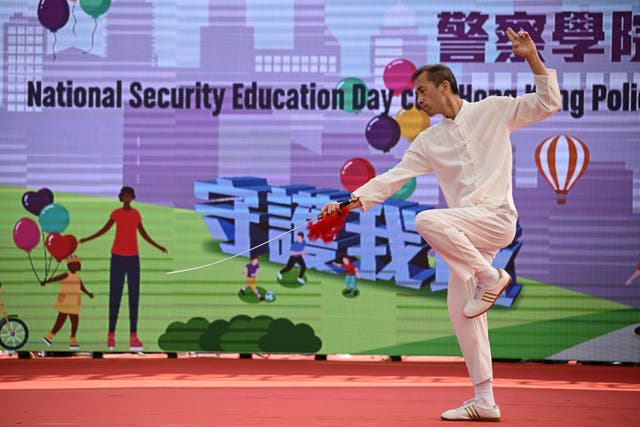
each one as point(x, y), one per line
point(125, 261)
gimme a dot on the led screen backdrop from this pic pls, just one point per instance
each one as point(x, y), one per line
point(235, 121)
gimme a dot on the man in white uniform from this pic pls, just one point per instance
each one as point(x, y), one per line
point(470, 153)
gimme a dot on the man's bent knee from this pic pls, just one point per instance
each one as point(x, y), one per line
point(428, 222)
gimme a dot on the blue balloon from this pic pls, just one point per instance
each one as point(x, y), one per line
point(54, 218)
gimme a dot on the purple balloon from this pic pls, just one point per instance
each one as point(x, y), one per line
point(382, 132)
point(34, 202)
point(53, 14)
point(26, 234)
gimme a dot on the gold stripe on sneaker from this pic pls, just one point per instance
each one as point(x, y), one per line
point(472, 412)
point(468, 411)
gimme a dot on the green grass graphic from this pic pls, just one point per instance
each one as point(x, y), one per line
point(383, 319)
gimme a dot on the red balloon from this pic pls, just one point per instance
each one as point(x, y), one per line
point(60, 246)
point(355, 173)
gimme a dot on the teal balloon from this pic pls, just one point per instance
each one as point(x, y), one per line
point(54, 218)
point(359, 95)
point(406, 190)
point(95, 8)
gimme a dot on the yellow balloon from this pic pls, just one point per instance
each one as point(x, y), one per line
point(412, 122)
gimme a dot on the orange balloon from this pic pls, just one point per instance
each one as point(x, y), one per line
point(412, 122)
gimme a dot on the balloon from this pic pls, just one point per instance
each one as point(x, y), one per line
point(412, 122)
point(54, 218)
point(562, 160)
point(34, 202)
point(60, 246)
point(397, 75)
point(346, 85)
point(95, 8)
point(355, 173)
point(26, 234)
point(382, 132)
point(406, 190)
point(53, 14)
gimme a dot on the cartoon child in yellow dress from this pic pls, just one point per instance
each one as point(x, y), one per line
point(68, 302)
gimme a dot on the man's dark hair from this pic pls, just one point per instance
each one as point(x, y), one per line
point(437, 73)
point(127, 189)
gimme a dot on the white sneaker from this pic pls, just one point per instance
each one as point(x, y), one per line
point(301, 280)
point(472, 411)
point(279, 276)
point(483, 299)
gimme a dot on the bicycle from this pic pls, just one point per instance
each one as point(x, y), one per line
point(13, 331)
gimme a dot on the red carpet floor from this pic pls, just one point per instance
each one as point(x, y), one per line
point(149, 390)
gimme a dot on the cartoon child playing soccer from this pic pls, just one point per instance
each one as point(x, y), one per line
point(250, 271)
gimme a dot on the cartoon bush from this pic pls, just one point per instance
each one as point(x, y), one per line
point(241, 334)
point(181, 336)
point(244, 333)
point(210, 339)
point(285, 337)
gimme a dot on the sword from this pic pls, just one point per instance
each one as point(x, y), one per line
point(211, 264)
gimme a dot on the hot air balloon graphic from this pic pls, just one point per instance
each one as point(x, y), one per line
point(562, 160)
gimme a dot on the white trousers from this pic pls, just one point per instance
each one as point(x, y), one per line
point(468, 239)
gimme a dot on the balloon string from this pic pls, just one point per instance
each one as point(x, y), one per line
point(75, 20)
point(33, 268)
point(48, 267)
point(95, 27)
point(240, 253)
point(53, 46)
point(44, 253)
point(54, 271)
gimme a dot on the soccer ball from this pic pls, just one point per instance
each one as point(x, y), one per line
point(269, 296)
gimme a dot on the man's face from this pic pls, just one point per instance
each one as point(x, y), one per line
point(127, 196)
point(429, 97)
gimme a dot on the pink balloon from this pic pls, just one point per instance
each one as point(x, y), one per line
point(26, 234)
point(397, 75)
